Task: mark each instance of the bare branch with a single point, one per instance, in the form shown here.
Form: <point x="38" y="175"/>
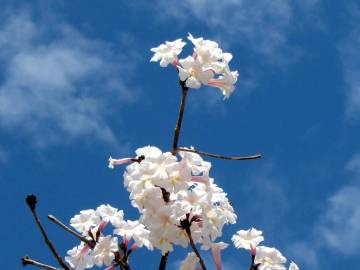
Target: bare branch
<point x="185" y="91"/>
<point x="31" y="201"/>
<point x="181" y="149"/>
<point x="163" y="261"/>
<point x="26" y="261"/>
<point x="201" y="261"/>
<point x="66" y="228"/>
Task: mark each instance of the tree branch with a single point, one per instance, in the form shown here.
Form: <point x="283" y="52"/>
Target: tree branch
<point x="66" y="228"/>
<point x="26" y="261"/>
<point x="185" y="90"/>
<point x="31" y="201"/>
<point x="163" y="261"/>
<point x="181" y="149"/>
<point x="201" y="261"/>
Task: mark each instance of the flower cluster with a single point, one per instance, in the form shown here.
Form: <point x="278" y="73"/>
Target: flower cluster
<point x="208" y="65"/>
<point x="174" y="195"/>
<point x="265" y="258"/>
<point x="101" y="249"/>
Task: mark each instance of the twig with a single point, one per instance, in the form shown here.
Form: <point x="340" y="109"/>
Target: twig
<point x="31" y="201"/>
<point x="26" y="261"/>
<point x="201" y="261"/>
<point x="163" y="261"/>
<point x="257" y="156"/>
<point x="66" y="228"/>
<point x="185" y="90"/>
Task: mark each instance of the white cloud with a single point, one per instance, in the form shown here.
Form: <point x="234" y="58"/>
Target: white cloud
<point x="303" y="254"/>
<point x="354" y="165"/>
<point x="339" y="227"/>
<point x="263" y="26"/>
<point x="349" y="50"/>
<point x="56" y="85"/>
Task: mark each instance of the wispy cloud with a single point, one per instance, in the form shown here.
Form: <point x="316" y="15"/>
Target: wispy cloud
<point x="349" y="50"/>
<point x="305" y="254"/>
<point x="339" y="227"/>
<point x="263" y="26"/>
<point x="56" y="83"/>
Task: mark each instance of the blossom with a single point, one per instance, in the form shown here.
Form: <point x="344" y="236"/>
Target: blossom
<point x="86" y="220"/>
<point x="79" y="257"/>
<point x="248" y="239"/>
<point x="167" y="53"/>
<point x="194" y="73"/>
<point x="136" y="231"/>
<point x="166" y="191"/>
<point x="113" y="162"/>
<point x="215" y="250"/>
<point x="103" y="253"/>
<point x="225" y="82"/>
<point x="110" y="214"/>
<point x="293" y="266"/>
<point x="269" y="258"/>
<point x="190" y="262"/>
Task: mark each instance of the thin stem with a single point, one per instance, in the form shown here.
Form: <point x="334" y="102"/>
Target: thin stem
<point x="257" y="156"/>
<point x="201" y="261"/>
<point x="66" y="228"/>
<point x="185" y="90"/>
<point x="31" y="201"/>
<point x="26" y="260"/>
<point x="163" y="261"/>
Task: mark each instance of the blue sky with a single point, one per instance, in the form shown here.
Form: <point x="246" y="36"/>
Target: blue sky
<point x="76" y="86"/>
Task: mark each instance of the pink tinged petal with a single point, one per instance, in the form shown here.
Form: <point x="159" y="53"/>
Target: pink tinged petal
<point x="215" y="250"/>
<point x="199" y="179"/>
<point x="111" y="267"/>
<point x="113" y="162"/>
<point x="125" y="241"/>
<point x="134" y="247"/>
<point x="176" y="62"/>
<point x="102" y="226"/>
<point x="252" y="251"/>
<point x="84" y="250"/>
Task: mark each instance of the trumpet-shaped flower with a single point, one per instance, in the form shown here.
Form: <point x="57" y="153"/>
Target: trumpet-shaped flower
<point x="293" y="266"/>
<point x="225" y="82"/>
<point x="79" y="257"/>
<point x="194" y="73"/>
<point x="103" y="253"/>
<point x="167" y="53"/>
<point x="136" y="231"/>
<point x="269" y="258"/>
<point x="248" y="239"/>
<point x="86" y="220"/>
<point x="110" y="214"/>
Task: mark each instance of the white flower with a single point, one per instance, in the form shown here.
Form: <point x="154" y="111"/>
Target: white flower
<point x="136" y="231"/>
<point x="167" y="53"/>
<point x="190" y="262"/>
<point x="113" y="162"/>
<point x="225" y="82"/>
<point x="269" y="258"/>
<point x="103" y="252"/>
<point x="293" y="266"/>
<point x="194" y="73"/>
<point x="86" y="220"/>
<point x="110" y="214"/>
<point x="248" y="239"/>
<point x="79" y="257"/>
